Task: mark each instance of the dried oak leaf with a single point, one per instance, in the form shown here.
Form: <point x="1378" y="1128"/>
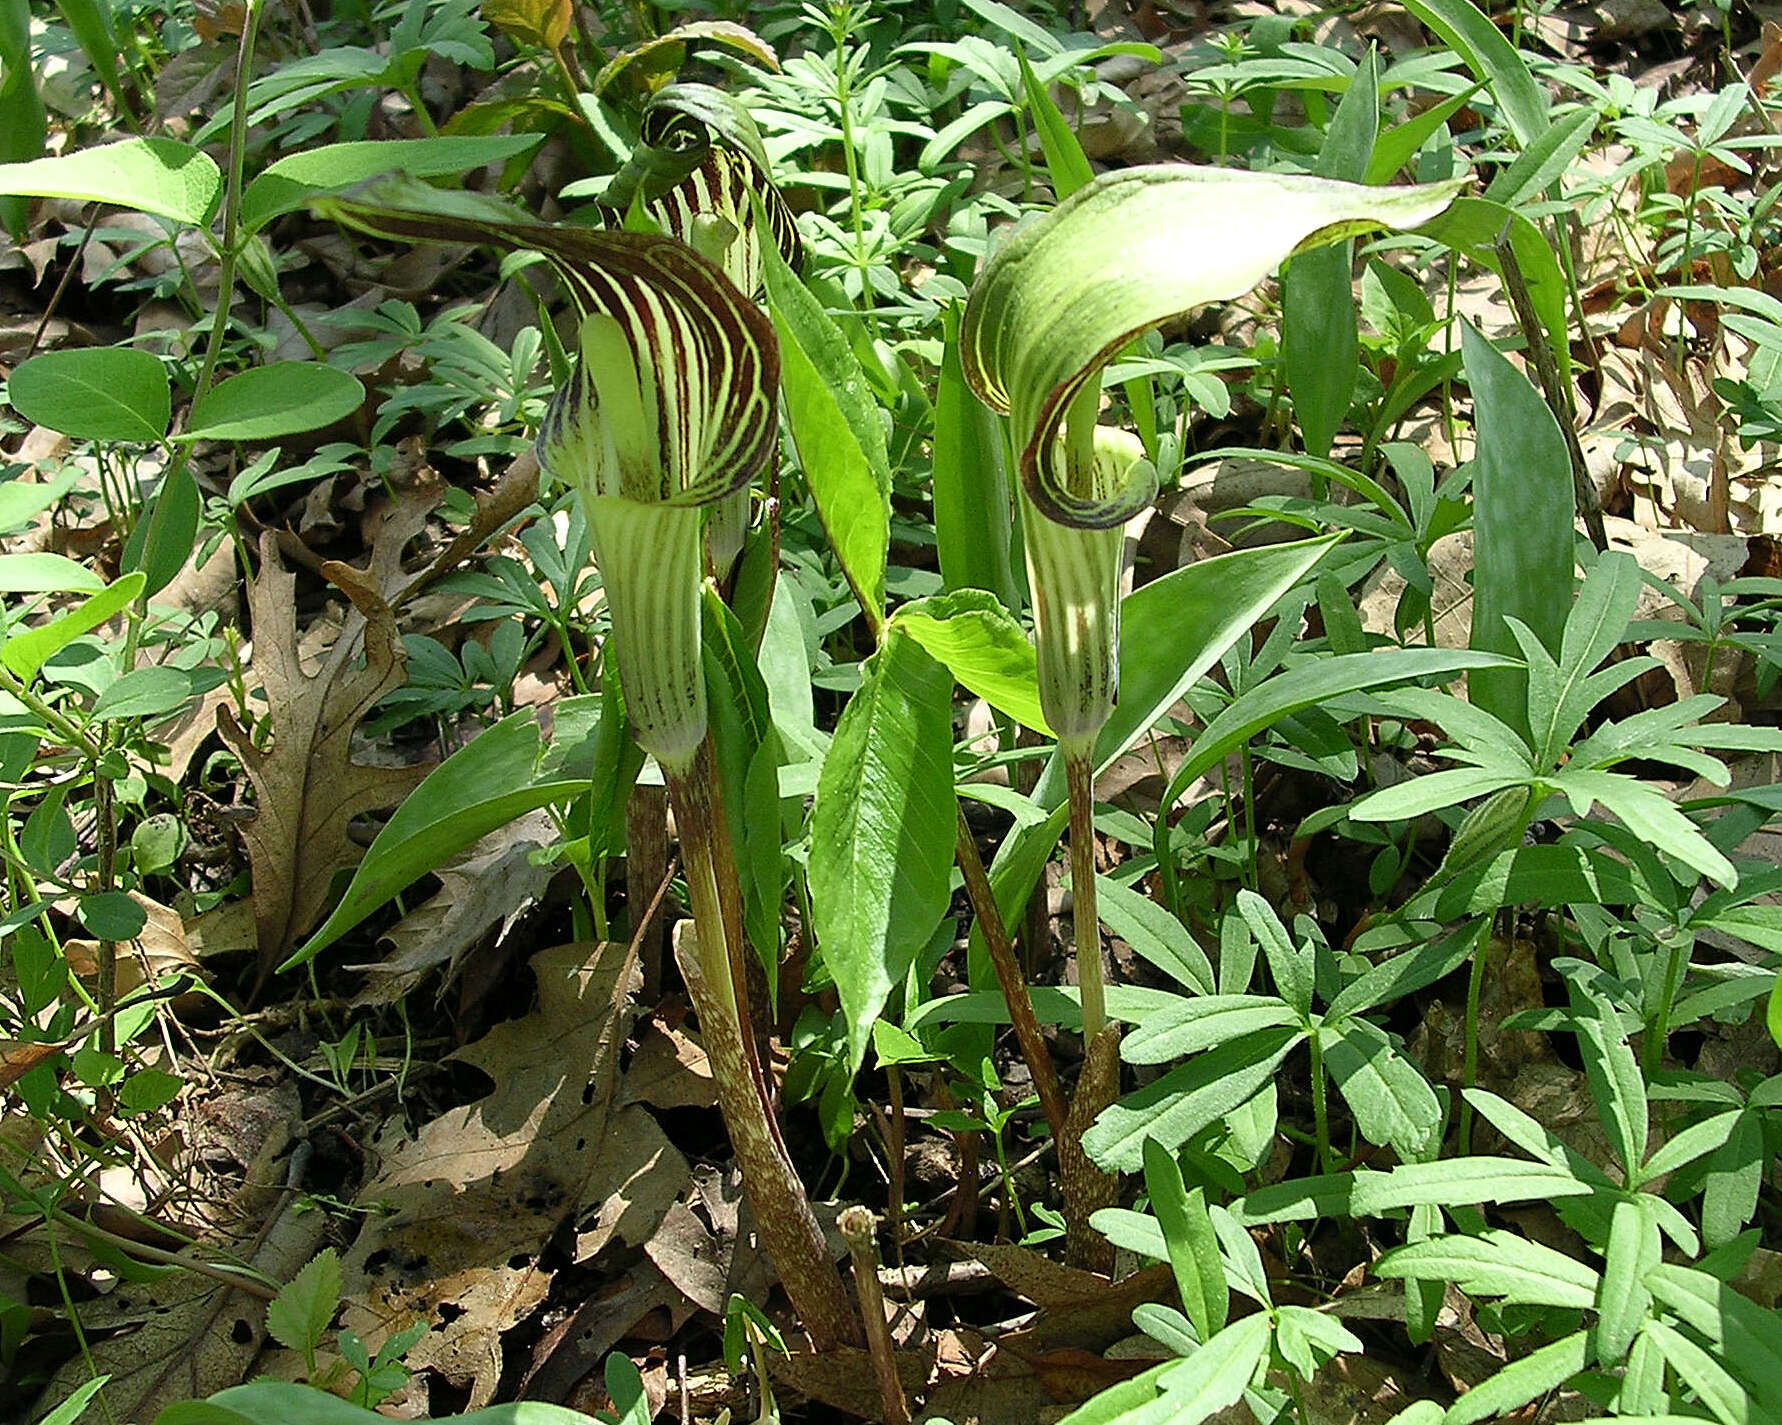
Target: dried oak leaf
<point x="475" y="1197"/>
<point x="307" y="787"/>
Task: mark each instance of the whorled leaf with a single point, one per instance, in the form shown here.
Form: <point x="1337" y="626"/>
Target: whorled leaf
<point x="705" y="356"/>
<point x="1048" y="310"/>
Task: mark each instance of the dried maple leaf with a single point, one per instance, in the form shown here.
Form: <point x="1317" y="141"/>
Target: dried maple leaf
<point x="307" y="787"/>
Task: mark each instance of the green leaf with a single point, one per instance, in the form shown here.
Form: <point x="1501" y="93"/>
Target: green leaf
<point x="111" y="915"/>
<point x="90" y="20"/>
<point x="95" y="393"/>
<point x="71" y="1409"/>
<point x="1065" y="162"/>
<point x="22" y="125"/>
<point x="1392" y="1102"/>
<point x="1047" y="310"/>
<point x="1154" y="934"/>
<point x="835" y="424"/>
<point x="25" y="653"/>
<point x="45" y="574"/>
<point x="162" y="544"/>
<point x="1708" y="1377"/>
<point x="1187" y="1098"/>
<point x="882" y="830"/>
<point x="1192" y="1244"/>
<point x="1477" y="1179"/>
<point x="160" y="176"/>
<point x="1473" y="227"/>
<point x="972" y="518"/>
<point x="23" y="500"/>
<point x="1745" y="1336"/>
<point x="1622" y="1300"/>
<point x="1616" y="1083"/>
<point x="1318" y="336"/>
<point x="1496" y="1263"/>
<point x="1193" y="1025"/>
<point x="1405" y="974"/>
<point x="143" y="693"/>
<point x="1399" y="144"/>
<point x="268" y="1402"/>
<point x="1522" y="524"/>
<point x="299" y="1315"/>
<point x="1290" y="966"/>
<point x="1544" y="161"/>
<point x="289" y="184"/>
<point x="973" y="637"/>
<point x="476" y="790"/>
<point x="270" y="401"/>
<point x="1529" y="1378"/>
<point x="1470" y="33"/>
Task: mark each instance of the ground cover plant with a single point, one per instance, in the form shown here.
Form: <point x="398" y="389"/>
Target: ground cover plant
<point x="960" y="712"/>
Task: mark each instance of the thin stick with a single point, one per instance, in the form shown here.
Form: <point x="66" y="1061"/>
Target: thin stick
<point x="856" y="1225"/>
<point x="1008" y="975"/>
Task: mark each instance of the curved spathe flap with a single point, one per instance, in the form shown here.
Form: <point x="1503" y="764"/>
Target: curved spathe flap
<point x="706" y="360"/>
<point x="1133" y="249"/>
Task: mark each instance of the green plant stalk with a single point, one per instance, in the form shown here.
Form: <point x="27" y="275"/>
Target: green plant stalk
<point x="783" y="1213"/>
<point x="1469" y="1071"/>
<point x="1079" y="772"/>
<point x="1657" y="1032"/>
<point x="244" y="69"/>
<point x="1320" y="1105"/>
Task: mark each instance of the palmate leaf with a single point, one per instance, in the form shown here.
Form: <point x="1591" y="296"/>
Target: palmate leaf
<point x="1048" y="311"/>
<point x="706" y="358"/>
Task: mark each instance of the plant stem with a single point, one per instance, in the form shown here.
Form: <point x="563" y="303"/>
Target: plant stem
<point x="1320" y="1107"/>
<point x="1008" y="975"/>
<point x="782" y="1209"/>
<point x="1470" y="1063"/>
<point x="1079" y="771"/>
<point x="1652" y="1046"/>
<point x="219" y="322"/>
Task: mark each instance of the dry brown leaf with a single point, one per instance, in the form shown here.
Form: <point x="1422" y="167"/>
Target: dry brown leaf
<point x="670" y="1070"/>
<point x="307" y="787"/>
<point x="475" y="1197"/>
<point x="159" y="951"/>
<point x="183" y="1336"/>
<point x="17" y="1060"/>
<point x="490" y="884"/>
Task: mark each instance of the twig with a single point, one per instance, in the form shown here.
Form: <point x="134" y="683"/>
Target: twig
<point x="856" y="1226"/>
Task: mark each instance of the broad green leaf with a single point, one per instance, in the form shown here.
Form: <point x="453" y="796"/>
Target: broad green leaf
<point x="1187" y="1098"/>
<point x="1496" y="1263"/>
<point x="882" y="830"/>
<point x="1065" y="162"/>
<point x="95" y="393"/>
<point x="1477" y="1179"/>
<point x="972" y="519"/>
<point x="1522" y="524"/>
<point x="25" y="653"/>
<point x="270" y="401"/>
<point x="1217" y="1374"/>
<point x="162" y="544"/>
<point x="298" y="1317"/>
<point x="1192" y="1025"/>
<point x="1622" y="1300"/>
<point x="45" y="574"/>
<point x="111" y="915"/>
<point x="143" y="693"/>
<point x="1735" y="1176"/>
<point x="1154" y="934"/>
<point x="476" y="790"/>
<point x="1290" y="966"/>
<point x="1529" y="1378"/>
<point x="289" y="184"/>
<point x="1392" y="1102"/>
<point x="1048" y="309"/>
<point x="972" y="636"/>
<point x="267" y="1402"/>
<point x="1192" y="1244"/>
<point x="1319" y="342"/>
<point x="1540" y="875"/>
<point x="835" y="424"/>
<point x="160" y="176"/>
<point x="1405" y="974"/>
<point x="1432" y="792"/>
<point x="22" y="120"/>
<point x="21" y="500"/>
<point x="1492" y="58"/>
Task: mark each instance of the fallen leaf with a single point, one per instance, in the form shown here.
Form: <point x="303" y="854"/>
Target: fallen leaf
<point x="475" y="1197"/>
<point x="491" y="884"/>
<point x="308" y="787"/>
<point x="161" y="949"/>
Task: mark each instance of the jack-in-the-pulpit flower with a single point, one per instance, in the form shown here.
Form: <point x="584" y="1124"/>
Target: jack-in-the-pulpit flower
<point x="670" y="408"/>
